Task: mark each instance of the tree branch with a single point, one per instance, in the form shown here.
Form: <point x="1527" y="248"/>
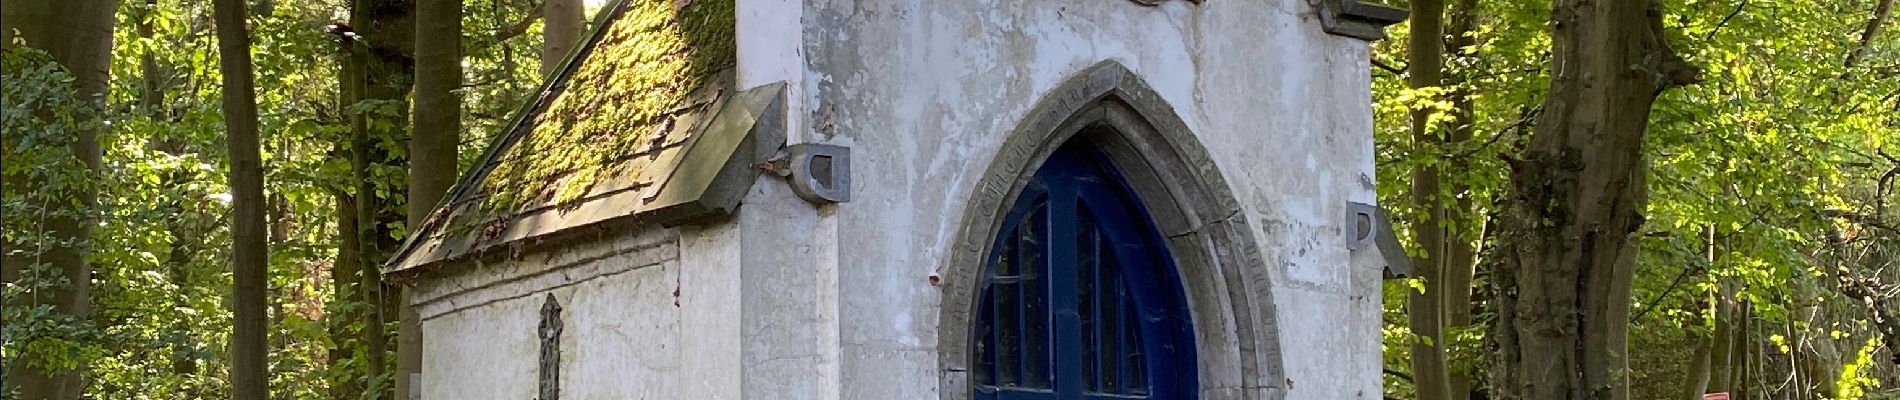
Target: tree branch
<point x="1731" y="16"/>
<point x="1873" y="295"/>
<point x="1396" y="374"/>
<point x="1388" y="67"/>
<point x="518" y="28"/>
<point x="1863" y="219"/>
<point x="1668" y="66"/>
<point x="1882" y="12"/>
<point x="1665" y="294"/>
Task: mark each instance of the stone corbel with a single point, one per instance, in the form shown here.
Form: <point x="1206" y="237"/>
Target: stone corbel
<point x="1370" y="228"/>
<point x="1358" y="19"/>
<point x="819" y="173"/>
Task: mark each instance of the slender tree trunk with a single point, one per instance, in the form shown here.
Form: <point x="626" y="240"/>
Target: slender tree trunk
<point x="249" y="255"/>
<point x="151" y="91"/>
<point x="1739" y="385"/>
<point x="1577" y="201"/>
<point x="1462" y="235"/>
<point x="1722" y="308"/>
<point x="278" y="225"/>
<point x="385" y="69"/>
<point x="1699" y="368"/>
<point x="177" y="269"/>
<point x="151" y="102"/>
<point x="345" y="318"/>
<point x="346" y="322"/>
<point x="432" y="149"/>
<point x="1426" y="307"/>
<point x="367" y="208"/>
<point x="1796" y="385"/>
<point x="564" y="21"/>
<point x="1722" y="343"/>
<point x="78" y="35"/>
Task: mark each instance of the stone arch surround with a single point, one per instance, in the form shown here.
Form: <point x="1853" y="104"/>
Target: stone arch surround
<point x="1226" y="280"/>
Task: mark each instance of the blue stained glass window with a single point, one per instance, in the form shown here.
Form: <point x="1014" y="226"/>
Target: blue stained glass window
<point x="1079" y="299"/>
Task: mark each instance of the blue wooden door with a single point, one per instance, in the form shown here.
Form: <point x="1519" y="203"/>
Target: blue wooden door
<point x="1080" y="299"/>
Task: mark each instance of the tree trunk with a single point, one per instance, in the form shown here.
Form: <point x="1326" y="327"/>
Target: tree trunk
<point x="438" y="111"/>
<point x="1722" y="343"/>
<point x="343" y="318"/>
<point x="1699" y="367"/>
<point x="178" y="264"/>
<point x="1425" y="308"/>
<point x="151" y="102"/>
<point x="345" y="322"/>
<point x="250" y="377"/>
<point x="151" y="89"/>
<point x="1722" y="310"/>
<point x="78" y="36"/>
<point x="1576" y="203"/>
<point x="383" y="71"/>
<point x="1461" y="249"/>
<point x="563" y="22"/>
<point x="1742" y="358"/>
<point x="278" y="225"/>
<point x="432" y="152"/>
<point x="367" y="208"/>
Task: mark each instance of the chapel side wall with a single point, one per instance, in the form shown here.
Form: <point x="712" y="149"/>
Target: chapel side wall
<point x="925" y="91"/>
<point x="625" y="331"/>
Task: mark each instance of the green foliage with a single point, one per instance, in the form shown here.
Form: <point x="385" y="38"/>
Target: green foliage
<point x="45" y="179"/>
<point x="1857" y="376"/>
<point x="1780" y="153"/>
<point x="160" y="252"/>
<point x="1783" y="153"/>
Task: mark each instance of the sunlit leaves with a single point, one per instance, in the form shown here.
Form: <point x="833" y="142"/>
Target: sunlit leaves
<point x="1780" y="138"/>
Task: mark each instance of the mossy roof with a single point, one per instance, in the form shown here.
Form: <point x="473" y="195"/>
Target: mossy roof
<point x="607" y="137"/>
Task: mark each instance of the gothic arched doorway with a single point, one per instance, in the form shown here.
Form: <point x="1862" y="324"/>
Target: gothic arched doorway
<point x="1130" y="133"/>
<point x="1079" y="298"/>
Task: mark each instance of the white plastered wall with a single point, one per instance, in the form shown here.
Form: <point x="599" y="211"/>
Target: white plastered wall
<point x="637" y="324"/>
<point x="792" y="301"/>
<point x="925" y="91"/>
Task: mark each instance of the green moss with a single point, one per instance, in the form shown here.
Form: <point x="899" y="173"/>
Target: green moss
<point x="615" y="103"/>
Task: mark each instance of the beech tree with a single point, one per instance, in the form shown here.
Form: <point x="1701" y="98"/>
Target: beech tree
<point x="432" y="148"/>
<point x="159" y="246"/>
<point x="563" y="22"/>
<point x="77" y="36"/>
<point x="1425" y="307"/>
<point x="250" y="376"/>
<point x="381" y="73"/>
<point x="1443" y="234"/>
<point x="1567" y="253"/>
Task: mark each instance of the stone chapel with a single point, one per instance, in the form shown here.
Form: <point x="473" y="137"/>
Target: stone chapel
<point x="923" y="199"/>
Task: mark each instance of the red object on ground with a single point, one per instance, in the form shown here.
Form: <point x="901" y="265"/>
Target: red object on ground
<point x="1715" y="396"/>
